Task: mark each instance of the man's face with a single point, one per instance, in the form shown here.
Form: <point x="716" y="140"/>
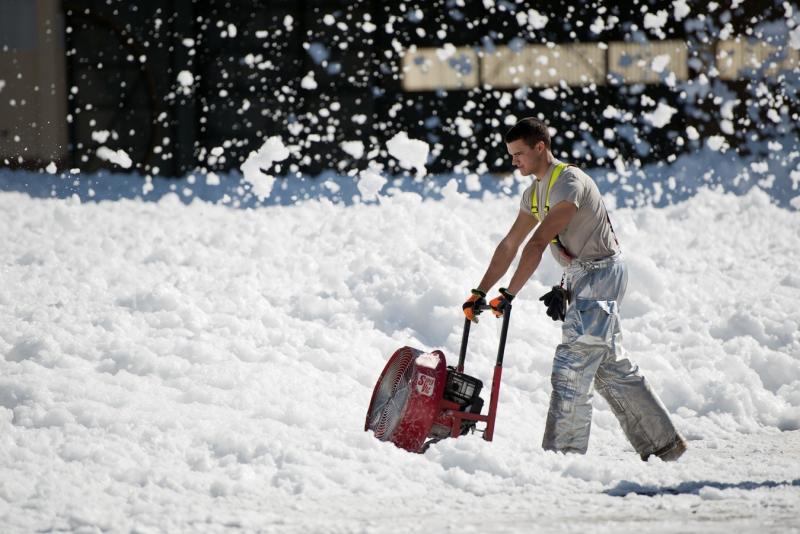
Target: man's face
<point x="526" y="158"/>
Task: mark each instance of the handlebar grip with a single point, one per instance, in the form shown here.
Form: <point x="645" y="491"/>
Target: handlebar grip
<point x="503" y="334"/>
<point x="484" y="307"/>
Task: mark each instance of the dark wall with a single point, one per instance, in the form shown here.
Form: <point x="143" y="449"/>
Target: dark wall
<point x="124" y="59"/>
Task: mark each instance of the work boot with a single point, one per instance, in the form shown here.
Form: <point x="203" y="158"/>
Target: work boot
<point x="671" y="452"/>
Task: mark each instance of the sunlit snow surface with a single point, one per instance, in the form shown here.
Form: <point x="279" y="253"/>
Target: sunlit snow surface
<point x="201" y="368"/>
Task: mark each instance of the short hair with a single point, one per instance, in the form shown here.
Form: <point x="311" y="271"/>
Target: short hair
<point x="531" y="131"/>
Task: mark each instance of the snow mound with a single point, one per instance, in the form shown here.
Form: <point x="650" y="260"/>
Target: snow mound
<point x="176" y="365"/>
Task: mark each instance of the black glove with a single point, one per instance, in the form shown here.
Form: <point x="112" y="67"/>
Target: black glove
<point x="556" y="301"/>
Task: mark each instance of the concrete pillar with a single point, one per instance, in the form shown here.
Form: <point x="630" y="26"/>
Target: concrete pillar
<point x="33" y="97"/>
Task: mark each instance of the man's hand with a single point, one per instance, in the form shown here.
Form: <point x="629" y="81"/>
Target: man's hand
<point x="556" y="302"/>
<point x="472" y="307"/>
<point x="501" y="302"/>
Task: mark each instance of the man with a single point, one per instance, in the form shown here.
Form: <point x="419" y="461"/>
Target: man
<point x="566" y="210"/>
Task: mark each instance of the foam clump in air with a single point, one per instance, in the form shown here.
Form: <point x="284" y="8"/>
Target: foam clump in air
<point x="411" y="154"/>
<point x="118" y="157"/>
<point x="370" y="182"/>
<point x="258" y="164"/>
<point x="661" y="116"/>
<point x="353" y="148"/>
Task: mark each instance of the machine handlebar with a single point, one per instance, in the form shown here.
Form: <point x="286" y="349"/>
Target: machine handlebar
<point x="503" y="334"/>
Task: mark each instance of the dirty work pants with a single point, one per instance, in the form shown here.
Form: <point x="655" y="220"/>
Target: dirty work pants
<point x="590" y="356"/>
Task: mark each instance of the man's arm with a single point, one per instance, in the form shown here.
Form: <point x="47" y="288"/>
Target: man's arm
<point x="507" y="249"/>
<point x="553" y="223"/>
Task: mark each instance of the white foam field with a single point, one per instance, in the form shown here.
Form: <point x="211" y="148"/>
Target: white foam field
<point x="166" y="367"/>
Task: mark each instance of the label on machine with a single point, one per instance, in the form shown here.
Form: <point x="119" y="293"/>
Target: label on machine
<point x="425" y="385"/>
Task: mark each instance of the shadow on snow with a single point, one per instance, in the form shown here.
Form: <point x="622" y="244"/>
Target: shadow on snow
<point x="692" y="487"/>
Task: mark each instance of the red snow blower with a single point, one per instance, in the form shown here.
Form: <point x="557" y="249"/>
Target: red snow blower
<point x="419" y="400"/>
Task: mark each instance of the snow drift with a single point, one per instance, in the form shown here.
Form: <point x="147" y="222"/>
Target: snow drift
<point x="165" y="366"/>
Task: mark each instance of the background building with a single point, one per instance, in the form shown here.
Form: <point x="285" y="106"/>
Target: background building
<point x="172" y="87"/>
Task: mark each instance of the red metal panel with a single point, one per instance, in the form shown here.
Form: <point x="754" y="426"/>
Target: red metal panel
<point x="498" y="373"/>
<point x="422" y="406"/>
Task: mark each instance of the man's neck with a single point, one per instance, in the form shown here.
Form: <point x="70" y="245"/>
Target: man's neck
<point x="540" y="173"/>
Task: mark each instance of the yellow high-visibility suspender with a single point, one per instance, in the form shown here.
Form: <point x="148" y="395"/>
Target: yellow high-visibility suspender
<point x="535" y="201"/>
<point x="553" y="177"/>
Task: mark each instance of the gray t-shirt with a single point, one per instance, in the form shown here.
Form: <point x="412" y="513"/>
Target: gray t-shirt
<point x="589" y="235"/>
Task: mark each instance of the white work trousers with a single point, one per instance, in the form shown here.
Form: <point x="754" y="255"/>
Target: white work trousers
<point x="590" y="356"/>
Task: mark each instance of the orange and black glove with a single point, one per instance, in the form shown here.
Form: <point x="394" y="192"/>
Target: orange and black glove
<point x="501" y="302"/>
<point x="473" y="306"/>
